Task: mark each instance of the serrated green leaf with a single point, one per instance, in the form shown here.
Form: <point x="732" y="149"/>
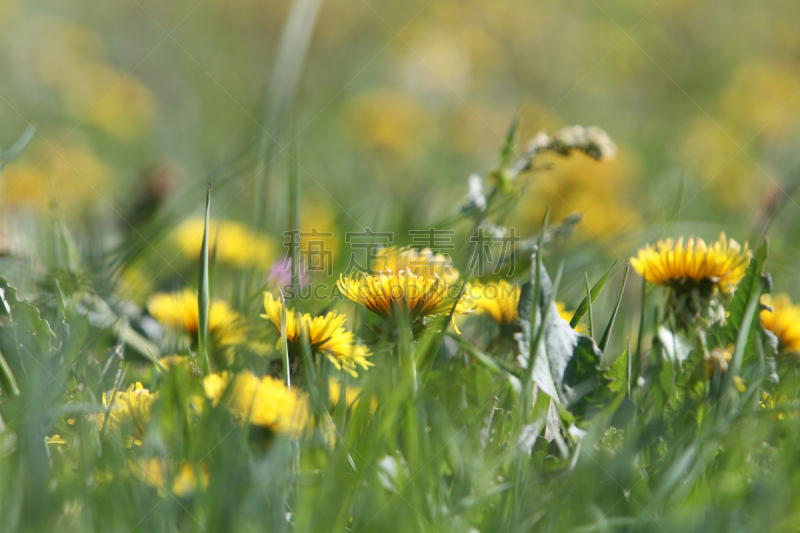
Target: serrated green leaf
<point x="566" y="368"/>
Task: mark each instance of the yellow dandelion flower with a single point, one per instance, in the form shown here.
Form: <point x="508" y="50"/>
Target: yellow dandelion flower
<point x="264" y="402"/>
<point x="179" y="311"/>
<point x="157" y="473"/>
<point x="500" y="301"/>
<point x="411" y="283"/>
<point x="235" y="243"/>
<point x="130" y="407"/>
<point x="327" y="335"/>
<point x="497" y="300"/>
<point x="783" y="320"/>
<point x="74" y="175"/>
<point x="405" y="293"/>
<point x="423" y="263"/>
<point x="720" y="266"/>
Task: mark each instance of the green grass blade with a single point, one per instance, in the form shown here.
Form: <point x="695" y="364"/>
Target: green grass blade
<point x="285" y="343"/>
<point x="294" y="213"/>
<point x="607" y="332"/>
<point x="278" y="101"/>
<point x="490" y="363"/>
<point x="628" y="381"/>
<point x="17" y="147"/>
<point x="741" y="339"/>
<point x="636" y="364"/>
<point x="583" y="307"/>
<point x="7" y="379"/>
<point x="588" y="300"/>
<point x="203" y="296"/>
<point x="508" y="147"/>
<point x="537" y="286"/>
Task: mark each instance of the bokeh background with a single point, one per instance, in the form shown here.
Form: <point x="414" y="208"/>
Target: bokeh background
<point x="138" y="103"/>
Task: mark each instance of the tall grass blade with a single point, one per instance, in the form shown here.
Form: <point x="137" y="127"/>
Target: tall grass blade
<point x="17" y="148"/>
<point x="735" y="366"/>
<point x="609" y="327"/>
<point x="294" y="213"/>
<point x="508" y="147"/>
<point x="203" y="296"/>
<point x="288" y="65"/>
<point x="7" y="379"/>
<point x="636" y="363"/>
<point x="588" y="300"/>
<point x="583" y="307"/>
<point x="285" y="343"/>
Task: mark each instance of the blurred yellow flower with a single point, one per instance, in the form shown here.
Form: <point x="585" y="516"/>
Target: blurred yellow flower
<point x="130" y="407"/>
<point x="318" y="235"/>
<point x="327" y="335"/>
<point x="392" y="122"/>
<point x="500" y="300"/>
<point x="157" y="473"/>
<point x="783" y="320"/>
<point x="497" y="300"/>
<point x="352" y="392"/>
<point x="233" y="243"/>
<point x="119" y="104"/>
<point x="69" y="59"/>
<point x="601" y="191"/>
<point x="719" y="266"/>
<point x="66" y="174"/>
<point x="264" y="402"/>
<point x="424" y="287"/>
<point x="760" y="98"/>
<point x="179" y="311"/>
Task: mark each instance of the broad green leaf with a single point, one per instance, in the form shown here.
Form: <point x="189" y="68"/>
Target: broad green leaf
<point x="566" y="368"/>
<point x="618" y="371"/>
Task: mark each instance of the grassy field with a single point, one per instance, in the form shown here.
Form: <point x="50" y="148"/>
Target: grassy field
<point x="246" y="294"/>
